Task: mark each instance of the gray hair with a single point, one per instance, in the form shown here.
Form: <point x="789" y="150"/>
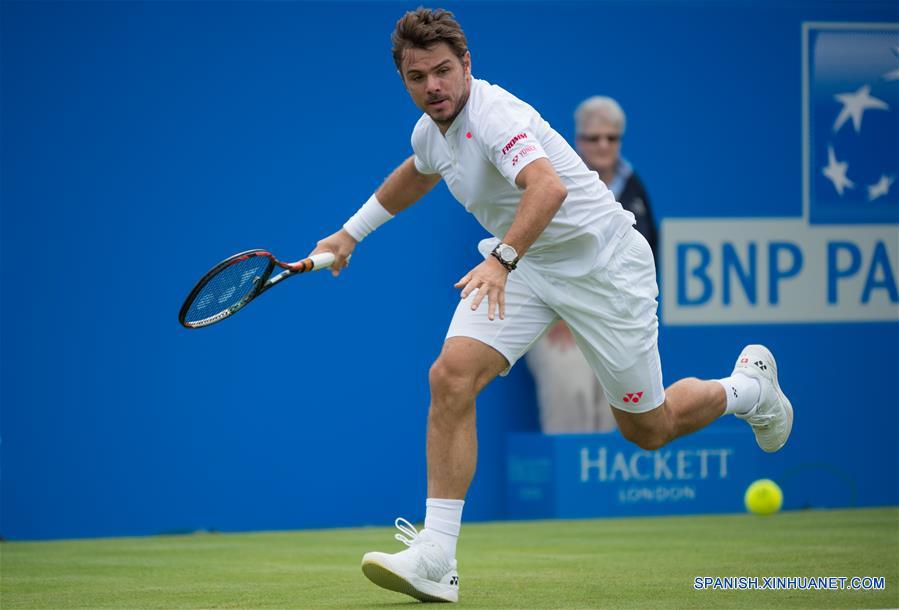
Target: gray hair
<point x="602" y="108"/>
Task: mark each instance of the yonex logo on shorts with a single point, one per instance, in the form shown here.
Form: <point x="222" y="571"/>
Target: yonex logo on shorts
<point x="511" y="142"/>
<point x="633" y="397"/>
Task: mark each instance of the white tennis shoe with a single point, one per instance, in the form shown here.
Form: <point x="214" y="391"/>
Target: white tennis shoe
<point x="423" y="570"/>
<point x="772" y="416"/>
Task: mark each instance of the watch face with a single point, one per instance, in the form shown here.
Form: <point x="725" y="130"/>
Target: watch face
<point x="507" y="253"/>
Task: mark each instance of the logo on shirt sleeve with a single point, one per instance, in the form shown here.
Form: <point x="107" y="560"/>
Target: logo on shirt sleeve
<point x="524" y="152"/>
<point x="511" y="143"/>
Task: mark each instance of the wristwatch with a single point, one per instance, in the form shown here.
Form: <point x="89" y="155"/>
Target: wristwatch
<point x="506" y="255"/>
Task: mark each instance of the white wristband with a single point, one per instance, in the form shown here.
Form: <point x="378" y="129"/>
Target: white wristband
<point x="369" y="217"/>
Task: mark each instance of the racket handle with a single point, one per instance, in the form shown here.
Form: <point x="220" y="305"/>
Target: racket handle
<point x="313" y="263"/>
<point x="321" y="261"/>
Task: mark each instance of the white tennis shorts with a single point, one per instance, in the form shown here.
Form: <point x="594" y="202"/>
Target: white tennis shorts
<point x="611" y="313"/>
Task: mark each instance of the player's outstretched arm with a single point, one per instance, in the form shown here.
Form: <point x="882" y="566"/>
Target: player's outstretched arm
<point x="403" y="187"/>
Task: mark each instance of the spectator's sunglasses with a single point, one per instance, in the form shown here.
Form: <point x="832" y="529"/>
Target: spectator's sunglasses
<point x="595" y="139"/>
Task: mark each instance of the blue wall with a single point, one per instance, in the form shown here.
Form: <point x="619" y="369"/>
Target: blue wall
<point x="142" y="142"/>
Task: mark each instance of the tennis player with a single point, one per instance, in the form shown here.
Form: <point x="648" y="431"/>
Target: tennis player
<point x="562" y="248"/>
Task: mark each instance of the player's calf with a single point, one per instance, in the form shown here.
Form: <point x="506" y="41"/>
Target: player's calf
<point x="689" y="405"/>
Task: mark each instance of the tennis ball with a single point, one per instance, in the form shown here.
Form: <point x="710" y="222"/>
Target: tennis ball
<point x="763" y="497"/>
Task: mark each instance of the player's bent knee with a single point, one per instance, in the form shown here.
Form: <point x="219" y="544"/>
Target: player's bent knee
<point x="646" y="430"/>
<point x="450" y="382"/>
<point x="648" y="442"/>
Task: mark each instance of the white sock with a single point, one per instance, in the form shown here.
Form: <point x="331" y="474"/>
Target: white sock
<point x="443" y="520"/>
<point x="742" y="393"/>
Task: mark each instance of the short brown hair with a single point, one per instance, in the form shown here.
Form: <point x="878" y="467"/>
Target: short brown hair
<point x="423" y="27"/>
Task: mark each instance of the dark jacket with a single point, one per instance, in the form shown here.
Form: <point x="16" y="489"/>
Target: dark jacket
<point x="635" y="200"/>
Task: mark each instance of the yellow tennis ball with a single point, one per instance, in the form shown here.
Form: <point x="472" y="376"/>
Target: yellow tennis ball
<point x="763" y="497"/>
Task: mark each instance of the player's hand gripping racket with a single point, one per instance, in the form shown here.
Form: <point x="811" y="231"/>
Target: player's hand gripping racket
<point x="237" y="280"/>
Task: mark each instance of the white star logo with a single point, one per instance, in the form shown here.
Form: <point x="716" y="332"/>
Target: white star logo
<point x="893" y="74"/>
<point x="836" y="172"/>
<point x="880" y="188"/>
<point x="854" y="105"/>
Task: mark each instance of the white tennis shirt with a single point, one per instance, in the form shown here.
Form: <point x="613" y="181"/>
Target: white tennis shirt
<point x="493" y="138"/>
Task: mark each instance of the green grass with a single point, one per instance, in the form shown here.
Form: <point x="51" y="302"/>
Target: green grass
<point x="611" y="563"/>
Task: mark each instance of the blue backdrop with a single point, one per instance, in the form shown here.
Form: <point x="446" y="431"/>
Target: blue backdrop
<point x="144" y="141"/>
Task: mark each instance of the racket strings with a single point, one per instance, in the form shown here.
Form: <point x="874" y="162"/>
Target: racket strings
<point x="228" y="288"/>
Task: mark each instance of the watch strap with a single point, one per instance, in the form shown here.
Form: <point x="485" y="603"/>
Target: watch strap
<point x="509" y="265"/>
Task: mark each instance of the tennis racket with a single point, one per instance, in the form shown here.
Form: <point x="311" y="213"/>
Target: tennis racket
<point x="233" y="283"/>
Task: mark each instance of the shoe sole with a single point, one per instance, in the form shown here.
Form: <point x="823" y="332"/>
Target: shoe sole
<point x="387" y="579"/>
<point x="786" y="401"/>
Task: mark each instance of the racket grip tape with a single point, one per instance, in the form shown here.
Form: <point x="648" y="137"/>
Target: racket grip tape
<point x="321" y="261"/>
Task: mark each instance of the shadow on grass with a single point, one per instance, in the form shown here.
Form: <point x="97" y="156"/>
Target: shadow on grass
<point x="388" y="604"/>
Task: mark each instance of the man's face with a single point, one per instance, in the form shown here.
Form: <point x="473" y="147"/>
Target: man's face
<point x="599" y="144"/>
<point x="437" y="80"/>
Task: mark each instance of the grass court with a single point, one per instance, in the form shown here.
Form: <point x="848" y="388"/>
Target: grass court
<point x="604" y="563"/>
